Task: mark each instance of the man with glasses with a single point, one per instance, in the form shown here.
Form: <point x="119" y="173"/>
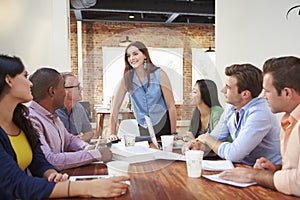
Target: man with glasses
<point x="73" y="114"/>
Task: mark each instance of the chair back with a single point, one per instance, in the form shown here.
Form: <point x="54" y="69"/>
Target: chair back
<point x="128" y="126"/>
<point x="87" y="108"/>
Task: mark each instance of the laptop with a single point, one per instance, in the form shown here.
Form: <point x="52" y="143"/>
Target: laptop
<point x="151" y="131"/>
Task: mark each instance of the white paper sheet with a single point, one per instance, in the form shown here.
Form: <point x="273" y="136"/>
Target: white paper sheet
<point x="217" y="165"/>
<point x="216" y="178"/>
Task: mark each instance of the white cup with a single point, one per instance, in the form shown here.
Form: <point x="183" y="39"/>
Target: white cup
<point x="129" y="140"/>
<point x="167" y="142"/>
<point x="194" y="163"/>
<point x="117" y="168"/>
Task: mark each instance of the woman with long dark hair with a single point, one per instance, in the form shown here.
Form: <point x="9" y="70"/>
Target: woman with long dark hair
<point x="208" y="109"/>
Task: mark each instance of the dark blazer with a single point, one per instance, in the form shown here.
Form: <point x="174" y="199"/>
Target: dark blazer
<point x="14" y="182"/>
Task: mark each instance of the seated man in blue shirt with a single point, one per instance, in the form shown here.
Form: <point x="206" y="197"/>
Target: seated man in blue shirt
<point x="248" y="120"/>
<point x="73" y="114"/>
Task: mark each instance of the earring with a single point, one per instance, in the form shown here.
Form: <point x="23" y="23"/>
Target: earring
<point x="145" y="64"/>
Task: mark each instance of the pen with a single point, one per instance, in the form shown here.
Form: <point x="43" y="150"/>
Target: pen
<point x="98" y="141"/>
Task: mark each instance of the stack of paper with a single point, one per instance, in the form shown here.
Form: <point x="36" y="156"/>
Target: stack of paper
<point x="132" y="153"/>
<point x="142" y="153"/>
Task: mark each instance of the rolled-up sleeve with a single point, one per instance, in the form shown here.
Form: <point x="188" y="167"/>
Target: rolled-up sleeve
<point x="288" y="181"/>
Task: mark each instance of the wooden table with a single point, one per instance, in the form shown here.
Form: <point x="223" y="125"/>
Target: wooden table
<point x="101" y="116"/>
<point x="161" y="179"/>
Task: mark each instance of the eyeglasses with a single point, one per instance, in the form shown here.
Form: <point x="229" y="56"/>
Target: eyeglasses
<point x="74" y="86"/>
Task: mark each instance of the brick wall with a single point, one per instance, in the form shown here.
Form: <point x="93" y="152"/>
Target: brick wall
<point x="98" y="34"/>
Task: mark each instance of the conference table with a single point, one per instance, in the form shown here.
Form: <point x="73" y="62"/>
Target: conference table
<point x="163" y="179"/>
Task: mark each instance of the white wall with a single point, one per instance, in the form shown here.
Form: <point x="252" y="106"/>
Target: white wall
<point x="253" y="31"/>
<point x="37" y="32"/>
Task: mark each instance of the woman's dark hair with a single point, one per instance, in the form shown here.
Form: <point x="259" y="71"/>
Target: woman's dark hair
<point x="13" y="66"/>
<point x="209" y="92"/>
<point x="128" y="71"/>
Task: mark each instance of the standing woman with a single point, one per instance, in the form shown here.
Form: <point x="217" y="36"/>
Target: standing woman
<point x="20" y="148"/>
<point x="150" y="93"/>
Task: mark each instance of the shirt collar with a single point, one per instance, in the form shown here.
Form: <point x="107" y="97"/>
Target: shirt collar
<point x="249" y="104"/>
<point x="42" y="111"/>
<point x="296" y="113"/>
<point x="136" y="80"/>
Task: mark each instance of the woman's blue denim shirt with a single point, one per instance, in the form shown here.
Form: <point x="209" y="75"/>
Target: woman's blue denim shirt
<point x="148" y="100"/>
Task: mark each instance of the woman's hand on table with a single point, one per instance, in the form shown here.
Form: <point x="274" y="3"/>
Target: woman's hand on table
<point x="113" y="137"/>
<point x="109" y="187"/>
<point x="58" y="177"/>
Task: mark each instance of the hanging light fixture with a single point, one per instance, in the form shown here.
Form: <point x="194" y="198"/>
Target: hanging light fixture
<point x="125" y="43"/>
<point x="210" y="50"/>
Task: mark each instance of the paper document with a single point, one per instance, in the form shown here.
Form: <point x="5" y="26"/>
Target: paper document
<point x="217" y="165"/>
<point x="216" y="178"/>
<point x="166" y="155"/>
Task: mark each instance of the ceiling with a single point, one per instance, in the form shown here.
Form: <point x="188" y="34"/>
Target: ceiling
<point x="147" y="11"/>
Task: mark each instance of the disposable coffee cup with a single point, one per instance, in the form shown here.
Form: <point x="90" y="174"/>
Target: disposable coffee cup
<point x="167" y="142"/>
<point x="194" y="163"/>
<point x="117" y="168"/>
<point x="129" y="140"/>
